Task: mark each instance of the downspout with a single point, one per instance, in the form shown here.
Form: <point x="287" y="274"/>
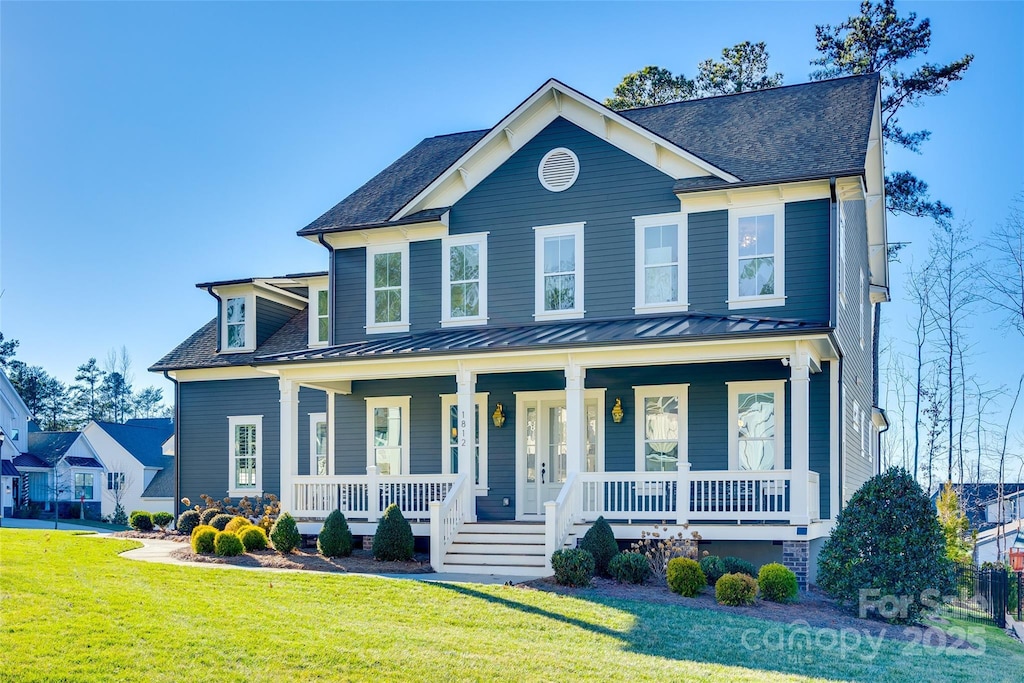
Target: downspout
<point x="330" y="288"/>
<point x="833" y="312"/>
<point x="219" y="313"/>
<point x="177" y="441"/>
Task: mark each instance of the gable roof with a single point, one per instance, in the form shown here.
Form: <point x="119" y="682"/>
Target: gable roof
<point x="143" y="442"/>
<point x="818" y="129"/>
<point x="162" y="485"/>
<point x="50" y="447"/>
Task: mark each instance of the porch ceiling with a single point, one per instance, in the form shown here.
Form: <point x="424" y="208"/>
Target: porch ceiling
<point x="567" y="334"/>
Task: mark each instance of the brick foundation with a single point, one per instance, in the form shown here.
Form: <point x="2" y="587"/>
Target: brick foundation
<point x="796" y="557"/>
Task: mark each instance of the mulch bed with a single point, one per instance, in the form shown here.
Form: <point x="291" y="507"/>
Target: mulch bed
<point x="360" y="562"/>
<point x="158" y="535"/>
<point x="813" y="609"/>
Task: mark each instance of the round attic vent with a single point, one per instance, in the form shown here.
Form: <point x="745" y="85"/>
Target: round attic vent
<point x="558" y="169"/>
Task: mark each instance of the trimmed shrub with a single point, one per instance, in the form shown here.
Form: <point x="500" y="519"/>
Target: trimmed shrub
<point x="335" y="539"/>
<point x="685" y="577"/>
<point x="203" y="537"/>
<point x="208" y="514"/>
<point x="736" y="590"/>
<point x="599" y="541"/>
<point x="253" y="538"/>
<point x="120" y="517"/>
<point x="394" y="539"/>
<point x="187" y="521"/>
<point x="736" y="565"/>
<point x="629" y="568"/>
<point x="777" y="583"/>
<point x="227" y="544"/>
<point x="573" y="566"/>
<point x="236" y="524"/>
<point x="162" y="519"/>
<point x="141" y="520"/>
<point x="220" y="522"/>
<point x="713" y="568"/>
<point x="285" y="534"/>
<point x="887" y="538"/>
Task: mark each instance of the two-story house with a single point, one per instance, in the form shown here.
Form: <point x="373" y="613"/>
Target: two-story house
<point x="655" y="315"/>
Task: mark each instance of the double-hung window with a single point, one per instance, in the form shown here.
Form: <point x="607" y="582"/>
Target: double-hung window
<point x="757" y="256"/>
<point x="245" y="455"/>
<point x="239" y="329"/>
<point x="558" y="283"/>
<point x="464" y="275"/>
<point x="387" y="288"/>
<point x="451" y="437"/>
<point x="318" y="465"/>
<point x="757" y="425"/>
<point x="319" y="316"/>
<point x="83" y="486"/>
<point x="115" y="481"/>
<point x="387" y="428"/>
<point x="661" y="427"/>
<point x="661" y="272"/>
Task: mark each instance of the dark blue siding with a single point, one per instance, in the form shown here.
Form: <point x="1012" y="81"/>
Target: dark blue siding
<point x="203" y="439"/>
<point x="424" y="286"/>
<point x="349" y="295"/>
<point x="270" y="317"/>
<point x="310" y="401"/>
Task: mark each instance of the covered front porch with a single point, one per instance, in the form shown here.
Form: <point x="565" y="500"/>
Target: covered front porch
<point x="641" y="436"/>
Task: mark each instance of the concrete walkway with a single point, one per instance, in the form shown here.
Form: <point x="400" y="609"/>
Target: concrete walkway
<point x="158" y="550"/>
<point x="43" y="524"/>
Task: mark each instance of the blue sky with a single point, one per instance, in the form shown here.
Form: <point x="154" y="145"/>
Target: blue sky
<point x="145" y="147"/>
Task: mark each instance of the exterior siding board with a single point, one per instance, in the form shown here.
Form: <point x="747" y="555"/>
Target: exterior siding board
<point x="310" y="401"/>
<point x="349" y="295"/>
<point x="424" y="286"/>
<point x="203" y="434"/>
<point x="270" y="317"/>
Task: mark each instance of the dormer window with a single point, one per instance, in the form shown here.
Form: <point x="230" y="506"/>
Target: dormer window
<point x="756" y="256"/>
<point x="238" y="323"/>
<point x="387" y="288"/>
<point x="319" y="316"/>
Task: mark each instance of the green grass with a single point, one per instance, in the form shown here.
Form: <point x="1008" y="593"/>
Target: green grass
<point x="73" y="610"/>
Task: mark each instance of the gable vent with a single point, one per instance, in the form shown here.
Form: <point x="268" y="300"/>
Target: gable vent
<point x="558" y="169"/>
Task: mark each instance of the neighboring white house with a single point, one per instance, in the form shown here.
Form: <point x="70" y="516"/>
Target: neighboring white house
<point x="61" y="464"/>
<point x="14" y="422"/>
<point x="138" y="460"/>
<point x="987" y="549"/>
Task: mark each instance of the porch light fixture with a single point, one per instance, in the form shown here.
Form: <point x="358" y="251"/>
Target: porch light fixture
<point x="498" y="416"/>
<point x="617" y="411"/>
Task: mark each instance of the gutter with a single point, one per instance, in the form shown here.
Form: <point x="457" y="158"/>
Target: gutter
<point x="220" y="301"/>
<point x="177" y="451"/>
<point x="330" y="289"/>
<point x="858" y="172"/>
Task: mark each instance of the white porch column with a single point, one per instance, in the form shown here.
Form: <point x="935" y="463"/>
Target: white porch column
<point x="800" y="368"/>
<point x="289" y="440"/>
<point x="330" y="433"/>
<point x="466" y="383"/>
<point x="575" y="419"/>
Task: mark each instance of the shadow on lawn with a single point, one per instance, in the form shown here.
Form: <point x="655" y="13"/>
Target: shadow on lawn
<point x="682" y="633"/>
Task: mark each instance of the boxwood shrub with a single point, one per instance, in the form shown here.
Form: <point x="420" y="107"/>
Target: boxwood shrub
<point x="394" y="539"/>
<point x="208" y="514"/>
<point x="162" y="519"/>
<point x="236" y="524"/>
<point x="713" y="568"/>
<point x="285" y="534"/>
<point x="599" y="541"/>
<point x="736" y="565"/>
<point x="629" y="568"/>
<point x="227" y="544"/>
<point x="187" y="521"/>
<point x="736" y="589"/>
<point x="684" y="576"/>
<point x="335" y="539"/>
<point x="777" y="583"/>
<point x="141" y="520"/>
<point x="220" y="522"/>
<point x="253" y="538"/>
<point x="203" y="537"/>
<point x="573" y="566"/>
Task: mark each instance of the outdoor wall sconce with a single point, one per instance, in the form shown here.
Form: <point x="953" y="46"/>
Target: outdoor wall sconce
<point x="617" y="412"/>
<point x="499" y="416"/>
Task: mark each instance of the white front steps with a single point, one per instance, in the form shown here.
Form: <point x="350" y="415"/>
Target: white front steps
<point x="512" y="548"/>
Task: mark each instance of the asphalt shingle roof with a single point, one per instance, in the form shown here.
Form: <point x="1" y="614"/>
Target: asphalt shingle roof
<point x="162" y="485"/>
<point x="144" y="442"/>
<point x="50" y="447"/>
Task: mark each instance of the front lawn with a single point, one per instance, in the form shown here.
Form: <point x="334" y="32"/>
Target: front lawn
<point x="73" y="610"/>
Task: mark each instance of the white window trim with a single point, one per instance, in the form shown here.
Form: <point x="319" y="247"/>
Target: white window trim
<point x="479" y="239"/>
<point x="447" y="401"/>
<point x="388" y="402"/>
<point x="640" y="224"/>
<point x="233" y="421"/>
<point x="735" y="301"/>
<point x="841" y="222"/>
<point x="778" y="387"/>
<point x="860" y="300"/>
<point x="373" y="327"/>
<point x="250" y="323"/>
<point x="314" y="418"/>
<point x="540" y="234"/>
<point x="314" y="316"/>
<point x="682" y="393"/>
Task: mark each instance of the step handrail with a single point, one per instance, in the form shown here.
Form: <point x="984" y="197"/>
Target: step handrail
<point x="446" y="519"/>
<point x="559" y="517"/>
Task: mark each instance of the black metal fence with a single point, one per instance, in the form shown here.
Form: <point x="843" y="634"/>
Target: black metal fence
<point x="1016" y="595"/>
<point x="983" y="594"/>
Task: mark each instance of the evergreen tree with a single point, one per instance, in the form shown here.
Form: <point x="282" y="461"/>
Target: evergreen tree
<point x="743" y="67"/>
<point x="955" y="525"/>
<point x="88" y="382"/>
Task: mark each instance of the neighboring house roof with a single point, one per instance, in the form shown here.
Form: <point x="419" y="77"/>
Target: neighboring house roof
<point x="661" y="328"/>
<point x="817" y="129"/>
<point x="7" y="469"/>
<point x="143" y="441"/>
<point x="29" y="460"/>
<point x="50" y="447"/>
<point x="162" y="485"/>
<point x="82" y="462"/>
<point x="152" y="422"/>
<point x="976" y="497"/>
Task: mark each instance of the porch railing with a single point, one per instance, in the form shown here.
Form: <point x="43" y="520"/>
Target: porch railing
<point x="367" y="496"/>
<point x="446" y="518"/>
<point x="560" y="515"/>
